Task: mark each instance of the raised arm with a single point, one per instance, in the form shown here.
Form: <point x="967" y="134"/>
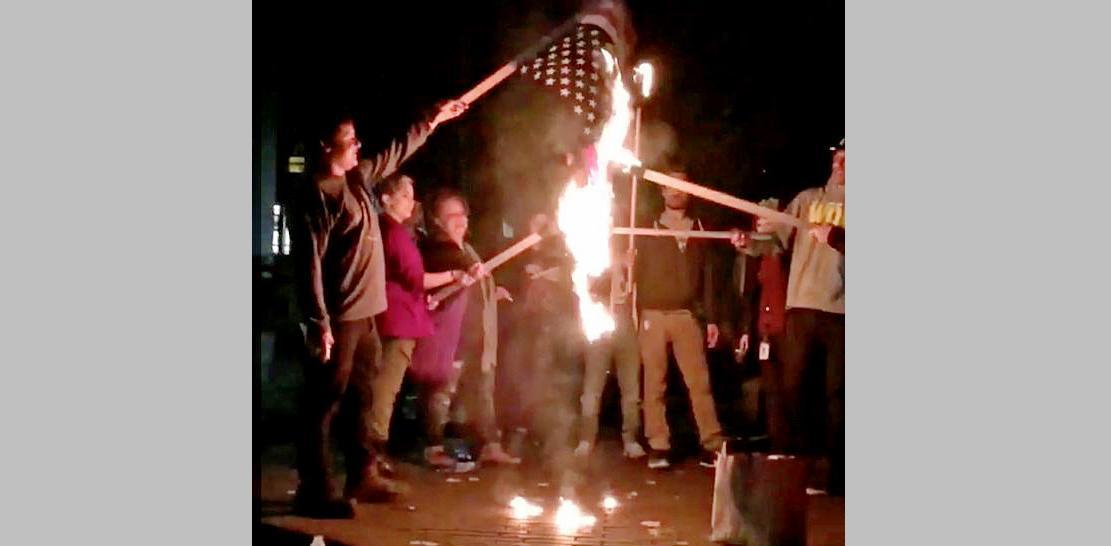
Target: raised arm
<point x="386" y="162"/>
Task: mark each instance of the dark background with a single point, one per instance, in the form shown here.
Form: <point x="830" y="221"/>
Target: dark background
<point x="749" y="97"/>
<point x="753" y="92"/>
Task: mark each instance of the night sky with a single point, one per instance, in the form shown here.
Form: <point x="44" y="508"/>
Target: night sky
<point x="751" y="93"/>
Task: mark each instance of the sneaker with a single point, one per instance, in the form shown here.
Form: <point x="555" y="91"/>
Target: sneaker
<point x="658" y="459"/>
<point x="708" y="459"/>
<point x="633" y="450"/>
<point x="583" y="450"/>
<point x="460" y="449"/>
<point x="493" y="453"/>
<point x="437" y="457"/>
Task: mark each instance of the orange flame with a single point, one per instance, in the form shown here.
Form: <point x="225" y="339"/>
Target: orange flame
<point x="586" y="212"/>
<point x="523" y="509"/>
<point x="569" y="518"/>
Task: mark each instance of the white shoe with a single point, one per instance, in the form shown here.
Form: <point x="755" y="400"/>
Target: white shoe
<point x="583" y="450"/>
<point x="658" y="459"/>
<point x="633" y="450"/>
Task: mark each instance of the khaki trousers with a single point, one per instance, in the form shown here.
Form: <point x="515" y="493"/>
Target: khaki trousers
<point x="684" y="332"/>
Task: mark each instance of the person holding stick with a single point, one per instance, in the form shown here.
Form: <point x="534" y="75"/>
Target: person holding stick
<point x="406" y="317"/>
<point x="618" y="351"/>
<point x="675" y="295"/>
<point x="815" y="321"/>
<point x="760" y="284"/>
<point x="550" y="349"/>
<point x="337" y="249"/>
<point x="478" y="350"/>
<point x="435" y="365"/>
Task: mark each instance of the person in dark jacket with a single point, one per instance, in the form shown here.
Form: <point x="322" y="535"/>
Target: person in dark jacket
<point x="617" y="351"/>
<point x="454" y="380"/>
<point x="553" y="359"/>
<point x="337" y="247"/>
<point x="675" y="295"/>
<point x="761" y="280"/>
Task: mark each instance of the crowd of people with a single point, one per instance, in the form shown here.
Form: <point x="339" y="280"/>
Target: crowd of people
<point x="390" y="291"/>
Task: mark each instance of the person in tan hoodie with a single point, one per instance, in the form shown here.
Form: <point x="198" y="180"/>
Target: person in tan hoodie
<point x="815" y="329"/>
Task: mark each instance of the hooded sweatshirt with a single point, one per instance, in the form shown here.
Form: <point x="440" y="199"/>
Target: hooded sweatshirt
<point x="674" y="273"/>
<point x="817" y="278"/>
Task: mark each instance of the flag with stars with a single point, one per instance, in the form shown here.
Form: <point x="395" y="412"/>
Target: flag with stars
<point x="574" y="70"/>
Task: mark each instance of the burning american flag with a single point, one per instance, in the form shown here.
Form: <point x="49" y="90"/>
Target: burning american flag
<point x="573" y="68"/>
<point x="582" y="70"/>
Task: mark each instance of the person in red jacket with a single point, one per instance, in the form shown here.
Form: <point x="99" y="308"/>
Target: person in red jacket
<point x="762" y="319"/>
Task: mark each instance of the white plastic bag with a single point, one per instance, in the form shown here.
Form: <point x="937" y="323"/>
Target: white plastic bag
<point x="759" y="500"/>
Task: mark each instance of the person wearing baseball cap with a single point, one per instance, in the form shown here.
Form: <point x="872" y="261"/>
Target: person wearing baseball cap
<point x="815" y="319"/>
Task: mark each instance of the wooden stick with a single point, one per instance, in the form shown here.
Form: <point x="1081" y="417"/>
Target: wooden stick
<point x="632" y="220"/>
<point x="509" y="68"/>
<point x="511" y="252"/>
<point x="633" y="193"/>
<point x="489" y="83"/>
<point x="723" y="198"/>
<point x="689" y="233"/>
<point x="502" y="257"/>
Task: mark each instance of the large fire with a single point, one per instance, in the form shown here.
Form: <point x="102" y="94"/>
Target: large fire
<point x="570" y="519"/>
<point x="586" y="212"/>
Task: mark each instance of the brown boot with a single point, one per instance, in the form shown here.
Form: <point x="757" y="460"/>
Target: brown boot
<point x="322" y="506"/>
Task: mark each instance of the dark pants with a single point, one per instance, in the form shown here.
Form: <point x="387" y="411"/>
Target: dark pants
<point x="556" y="379"/>
<point x="815" y="343"/>
<point x="552" y="403"/>
<point x="344" y="382"/>
<point x="775" y="419"/>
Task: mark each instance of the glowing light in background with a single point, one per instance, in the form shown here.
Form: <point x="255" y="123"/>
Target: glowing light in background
<point x="609" y="503"/>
